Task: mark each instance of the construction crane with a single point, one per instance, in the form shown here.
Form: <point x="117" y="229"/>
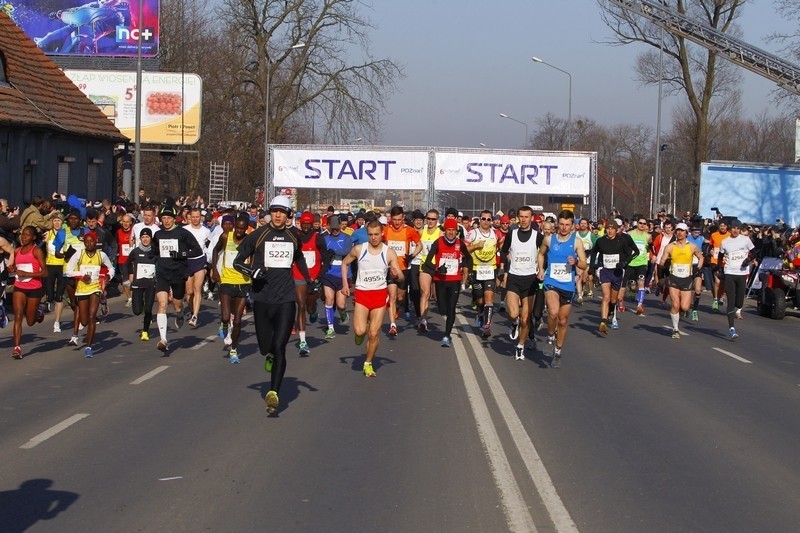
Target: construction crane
<point x="782" y="72"/>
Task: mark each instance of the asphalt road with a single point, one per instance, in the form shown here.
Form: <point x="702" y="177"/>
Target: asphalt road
<point x="636" y="431"/>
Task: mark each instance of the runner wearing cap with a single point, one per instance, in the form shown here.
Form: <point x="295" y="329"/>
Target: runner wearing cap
<point x="30" y="268"/>
<point x="611" y="253"/>
<point x="142" y="277"/>
<point x="679" y="253"/>
<point x="85" y="267"/>
<point x="173" y="245"/>
<point x="737" y="252"/>
<point x="313" y="246"/>
<point x="266" y="256"/>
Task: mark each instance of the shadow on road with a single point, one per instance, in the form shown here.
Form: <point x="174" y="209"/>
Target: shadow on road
<point x="33" y="501"/>
<point x="290" y="390"/>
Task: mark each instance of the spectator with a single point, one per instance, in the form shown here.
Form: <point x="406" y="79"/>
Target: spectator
<point x="39" y="215"/>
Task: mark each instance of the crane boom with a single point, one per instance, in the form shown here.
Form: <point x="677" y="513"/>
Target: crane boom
<point x="770" y="66"/>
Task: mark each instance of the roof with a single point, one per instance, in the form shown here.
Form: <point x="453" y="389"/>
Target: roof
<point x="38" y="94"/>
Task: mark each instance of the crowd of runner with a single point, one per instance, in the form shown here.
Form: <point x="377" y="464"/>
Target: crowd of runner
<point x="170" y="255"/>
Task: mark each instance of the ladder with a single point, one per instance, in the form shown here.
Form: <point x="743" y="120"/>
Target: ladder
<point x="770" y="66"/>
<point x="218" y="183"/>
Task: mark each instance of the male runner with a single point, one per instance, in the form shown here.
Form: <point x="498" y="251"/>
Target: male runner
<point x="737" y="251"/>
<point x="637" y="268"/>
<point x="399" y="238"/>
<point x="483" y="243"/>
<point x="313" y="246"/>
<point x="612" y="252"/>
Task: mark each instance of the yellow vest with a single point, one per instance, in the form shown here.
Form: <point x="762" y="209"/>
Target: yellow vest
<point x="229" y="275"/>
<point x="51" y="258"/>
<point x="89" y="264"/>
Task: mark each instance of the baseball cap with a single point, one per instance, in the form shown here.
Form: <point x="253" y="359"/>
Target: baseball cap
<point x="306" y="218"/>
<point x="505" y="219"/>
<point x="450" y="223"/>
<point x="333" y="222"/>
<point x="281" y="203"/>
<point x="167" y="211"/>
<point x="682" y="226"/>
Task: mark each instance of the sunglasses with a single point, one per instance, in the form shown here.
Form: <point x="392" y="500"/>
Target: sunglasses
<point x="486" y="219"/>
<point x="431" y="218"/>
<point x="641" y="222"/>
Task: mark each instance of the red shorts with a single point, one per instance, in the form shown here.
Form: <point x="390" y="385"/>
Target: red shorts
<point x="373" y="299"/>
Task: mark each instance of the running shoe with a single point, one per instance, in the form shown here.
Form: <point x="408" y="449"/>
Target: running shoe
<point x="538" y="324"/>
<point x="393" y="330"/>
<point x="621" y="306"/>
<point x="17" y="352"/>
<point x="228" y="340"/>
<point x="129" y="303"/>
<point x="733" y="333"/>
<point x="487" y="332"/>
<point x="39" y="315"/>
<point x="640" y="311"/>
<point x="162" y="346"/>
<point x="513" y="331"/>
<point x="103" y="307"/>
<point x="423" y="326"/>
<point x="590" y="294"/>
<point x="446" y="342"/>
<point x="193" y="321"/>
<point x="234" y="355"/>
<point x="519" y="353"/>
<point x="359" y="339"/>
<point x="614" y="324"/>
<point x="550" y="347"/>
<point x="344" y="317"/>
<point x="676" y="334"/>
<point x="603" y="328"/>
<point x="56" y="327"/>
<point x="313" y="317"/>
<point x="49" y="306"/>
<point x="3" y="316"/>
<point x="739" y="314"/>
<point x="303" y="349"/>
<point x="479" y="321"/>
<point x="368" y="370"/>
<point x="179" y="320"/>
<point x="73" y="341"/>
<point x="695" y="316"/>
<point x="223" y="331"/>
<point x="715" y="305"/>
<point x="294" y="330"/>
<point x="578" y="300"/>
<point x="145" y="336"/>
<point x="87" y="352"/>
<point x="272" y="401"/>
<point x="268" y="362"/>
<point x="556" y="361"/>
<point x="330" y="333"/>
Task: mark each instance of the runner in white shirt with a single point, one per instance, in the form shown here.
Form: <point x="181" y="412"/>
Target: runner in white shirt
<point x="737" y="250"/>
<point x="197" y="265"/>
<point x="148" y="221"/>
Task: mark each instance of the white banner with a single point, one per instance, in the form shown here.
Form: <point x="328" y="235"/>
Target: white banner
<point x="528" y="174"/>
<point x="350" y="169"/>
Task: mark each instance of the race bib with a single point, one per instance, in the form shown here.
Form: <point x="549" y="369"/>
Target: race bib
<point x="22" y="269"/>
<point x="523" y="258"/>
<point x="610" y="261"/>
<point x="126" y="249"/>
<point x="145" y="271"/>
<point x="369" y="279"/>
<point x="165" y="246"/>
<point x="451" y="264"/>
<point x="399" y="247"/>
<point x="737" y="257"/>
<point x="311" y="258"/>
<point x="681" y="271"/>
<point x="484" y="272"/>
<point x="278" y="254"/>
<point x="92" y="270"/>
<point x="230" y="256"/>
<point x="561" y="272"/>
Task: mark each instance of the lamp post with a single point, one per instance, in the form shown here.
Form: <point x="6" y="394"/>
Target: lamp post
<point x="269" y="189"/>
<point x="473" y="201"/>
<point x="524" y="144"/>
<point x="569" y="112"/>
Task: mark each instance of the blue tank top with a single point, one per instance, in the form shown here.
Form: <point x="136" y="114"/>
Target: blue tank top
<point x="560" y="274"/>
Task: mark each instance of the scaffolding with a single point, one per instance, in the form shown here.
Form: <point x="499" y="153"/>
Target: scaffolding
<point x="218" y="183"/>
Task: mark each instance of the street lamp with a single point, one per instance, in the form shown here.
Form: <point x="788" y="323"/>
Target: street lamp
<point x="269" y="189"/>
<point x="518" y="122"/>
<point x="569" y="116"/>
<point x="473" y="201"/>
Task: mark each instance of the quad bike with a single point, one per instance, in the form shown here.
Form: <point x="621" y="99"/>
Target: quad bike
<point x="780" y="287"/>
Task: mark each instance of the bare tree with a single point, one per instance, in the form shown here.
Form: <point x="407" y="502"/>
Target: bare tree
<point x="688" y="69"/>
<point x="789" y="43"/>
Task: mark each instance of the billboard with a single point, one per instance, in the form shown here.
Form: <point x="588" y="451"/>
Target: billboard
<point x="82" y="28"/>
<point x="350" y="169"/>
<point x="171" y="102"/>
<point x="536" y="173"/>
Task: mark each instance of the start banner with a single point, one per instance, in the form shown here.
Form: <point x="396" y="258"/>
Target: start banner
<point x="523" y="174"/>
<point x="350" y="169"/>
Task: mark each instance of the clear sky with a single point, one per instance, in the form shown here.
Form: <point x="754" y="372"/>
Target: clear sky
<point x="467" y="61"/>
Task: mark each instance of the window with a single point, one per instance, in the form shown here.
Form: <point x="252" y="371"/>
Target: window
<point x="3" y="79"/>
<point x="63" y="178"/>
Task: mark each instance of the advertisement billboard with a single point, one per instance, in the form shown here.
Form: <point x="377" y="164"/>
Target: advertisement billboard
<point x="350" y="169"/>
<point x="567" y="175"/>
<point x="171" y="102"/>
<point x="81" y="28"/>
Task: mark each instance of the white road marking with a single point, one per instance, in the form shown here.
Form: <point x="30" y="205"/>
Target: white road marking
<point x="58" y="428"/>
<point x="149" y="375"/>
<point x="204" y="342"/>
<point x="533" y="462"/>
<point x="170" y="478"/>
<point x="729" y="354"/>
<point x="516" y="510"/>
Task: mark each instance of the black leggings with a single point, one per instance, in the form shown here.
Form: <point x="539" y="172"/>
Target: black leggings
<point x="273" y="327"/>
<point x="142" y="302"/>
<point x="55" y="283"/>
<point x="414" y="290"/>
<point x="735" y="288"/>
<point x="447" y="293"/>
